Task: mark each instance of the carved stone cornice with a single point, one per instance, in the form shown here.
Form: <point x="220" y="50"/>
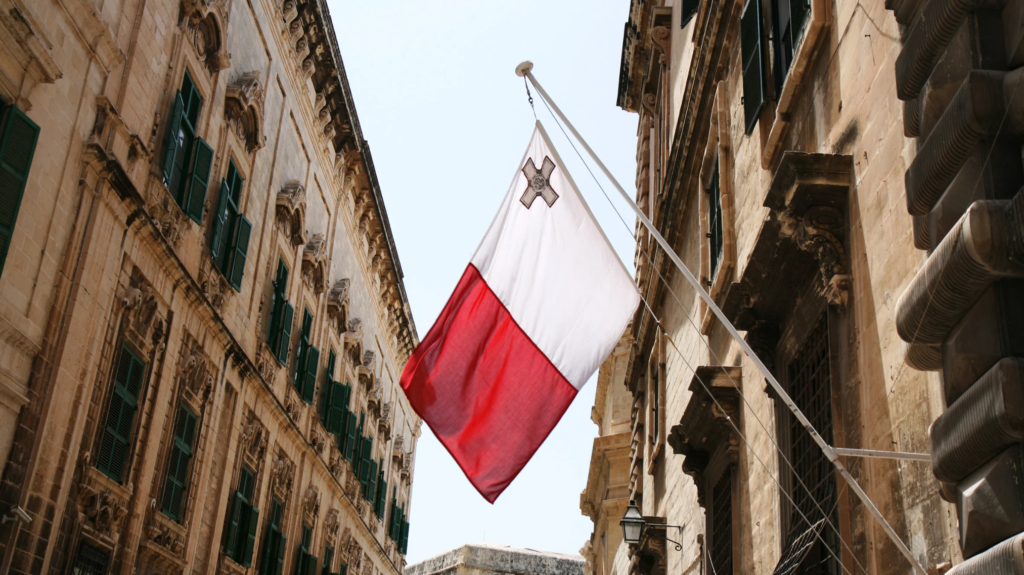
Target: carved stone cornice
<point x="337" y="306"/>
<point x="204" y="24"/>
<point x="243" y="107"/>
<point x="707" y="424"/>
<point x="213" y="284"/>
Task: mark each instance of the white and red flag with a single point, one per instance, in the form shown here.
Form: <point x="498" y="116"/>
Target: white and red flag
<point x="542" y="303"/>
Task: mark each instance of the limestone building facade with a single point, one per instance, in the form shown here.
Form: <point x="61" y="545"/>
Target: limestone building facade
<point x="844" y="178"/>
<point x="202" y="312"/>
<point x="492" y="559"/>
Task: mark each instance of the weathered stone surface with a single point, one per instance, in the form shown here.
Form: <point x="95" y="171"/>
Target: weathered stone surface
<point x="491" y="559"/>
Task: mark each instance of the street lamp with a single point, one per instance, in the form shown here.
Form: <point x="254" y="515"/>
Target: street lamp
<point x="633" y="525"/>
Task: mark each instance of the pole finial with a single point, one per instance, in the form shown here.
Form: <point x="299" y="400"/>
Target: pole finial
<point x="523" y="69"/>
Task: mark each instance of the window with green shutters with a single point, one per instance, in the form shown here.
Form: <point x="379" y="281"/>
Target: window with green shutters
<point x="370" y="491"/>
<point x="328" y="558"/>
<point x="394" y="519"/>
<point x="309" y="359"/>
<point x="281" y="315"/>
<point x="176" y="482"/>
<point x="351" y="433"/>
<point x="187" y="158"/>
<point x="365" y="451"/>
<point x="789" y="19"/>
<point x="343" y="569"/>
<point x="18" y="137"/>
<point x="306" y="562"/>
<point x="403" y="542"/>
<point x="755" y="82"/>
<point x="229" y="243"/>
<point x="117" y="429"/>
<point x="275" y="542"/>
<point x="334" y="411"/>
<point x="689" y="11"/>
<point x="380" y="504"/>
<point x="243" y="521"/>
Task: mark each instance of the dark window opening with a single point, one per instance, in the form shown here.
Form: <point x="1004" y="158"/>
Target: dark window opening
<point x="788" y="20"/>
<point x="721" y="524"/>
<point x="715" y="238"/>
<point x="90" y="561"/>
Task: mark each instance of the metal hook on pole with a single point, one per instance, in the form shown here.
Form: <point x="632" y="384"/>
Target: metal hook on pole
<point x="525" y="70"/>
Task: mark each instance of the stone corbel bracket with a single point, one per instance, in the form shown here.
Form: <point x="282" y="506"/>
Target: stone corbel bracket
<point x="809" y="194"/>
<point x="337" y="306"/>
<point x="314" y="264"/>
<point x="243" y="106"/>
<point x="291" y="212"/>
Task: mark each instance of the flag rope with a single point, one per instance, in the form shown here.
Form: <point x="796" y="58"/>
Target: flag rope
<point x="525" y="70"/>
<point x="741" y="435"/>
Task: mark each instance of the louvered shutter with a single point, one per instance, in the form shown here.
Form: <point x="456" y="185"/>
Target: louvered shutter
<point x="117" y="430"/>
<point x="17" y="147"/>
<point x="328" y="557"/>
<point x="343" y="570"/>
<point x="285" y="333"/>
<point x="171" y="142"/>
<point x="336" y="417"/>
<point x="382" y="493"/>
<point x="199" y="176"/>
<point x="364" y="460"/>
<point x="240" y="250"/>
<point x="250" y="539"/>
<point x="311" y="561"/>
<point x="282" y="544"/>
<point x="404" y="543"/>
<point x="238" y="506"/>
<point x="312" y="363"/>
<point x="220" y="225"/>
<point x="755" y="82"/>
<point x="371" y="483"/>
<point x="177" y="469"/>
<point x="351" y="437"/>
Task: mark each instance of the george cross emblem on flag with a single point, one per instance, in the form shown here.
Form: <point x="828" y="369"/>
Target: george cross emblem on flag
<point x="538" y="183"/>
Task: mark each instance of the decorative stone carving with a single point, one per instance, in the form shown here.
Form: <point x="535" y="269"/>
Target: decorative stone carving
<point x="317" y="440"/>
<point x="166" y="216"/>
<point x="282" y="473"/>
<point x="102" y="503"/>
<point x="314" y="264"/>
<point x="336" y="467"/>
<point x="140" y="310"/>
<point x="163" y="546"/>
<point x="243" y="107"/>
<point x="204" y="27"/>
<point x="311" y="505"/>
<point x="266" y="363"/>
<point x="332" y="525"/>
<point x="212" y="283"/>
<point x="254" y="440"/>
<point x="195" y="371"/>
<point x="292" y="406"/>
<point x="291" y="212"/>
<point x="337" y="306"/>
<point x="368" y="359"/>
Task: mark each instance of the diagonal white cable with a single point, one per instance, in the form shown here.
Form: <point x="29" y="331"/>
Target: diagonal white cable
<point x="524" y="69"/>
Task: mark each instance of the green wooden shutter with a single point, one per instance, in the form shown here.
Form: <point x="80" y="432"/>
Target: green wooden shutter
<point x="312" y="363"/>
<point x="351" y="437"/>
<point x="285" y="333"/>
<point x="755" y="82"/>
<point x="177" y="470"/>
<point x="343" y="570"/>
<point x="124" y="396"/>
<point x="282" y="544"/>
<point x="250" y="539"/>
<point x="311" y="561"/>
<point x="171" y="141"/>
<point x="336" y="417"/>
<point x="364" y="460"/>
<point x="195" y="200"/>
<point x="220" y="223"/>
<point x="403" y="545"/>
<point x="371" y="483"/>
<point x="240" y="249"/>
<point x="382" y="490"/>
<point x="277" y="301"/>
<point x="17" y="147"/>
<point x="328" y="558"/>
<point x="238" y="506"/>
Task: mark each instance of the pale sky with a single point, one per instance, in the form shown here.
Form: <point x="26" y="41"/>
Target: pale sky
<point x="447" y="121"/>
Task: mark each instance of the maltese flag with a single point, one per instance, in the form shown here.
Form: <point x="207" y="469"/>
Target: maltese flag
<point x="542" y="303"/>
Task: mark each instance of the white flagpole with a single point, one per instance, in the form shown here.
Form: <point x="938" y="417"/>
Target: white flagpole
<point x="525" y="69"/>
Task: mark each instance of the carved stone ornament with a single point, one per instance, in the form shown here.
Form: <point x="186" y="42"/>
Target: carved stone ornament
<point x="204" y="28"/>
<point x="337" y="306"/>
<point x="281" y="476"/>
<point x="367" y="564"/>
<point x="163" y="544"/>
<point x="311" y="505"/>
<point x="332" y="525"/>
<point x="166" y="216"/>
<point x="195" y="371"/>
<point x="266" y="364"/>
<point x="139" y="304"/>
<point x="292" y="406"/>
<point x="368" y="359"/>
<point x="243" y="107"/>
<point x="291" y="212"/>
<point x="314" y="264"/>
<point x="254" y="439"/>
<point x="102" y="504"/>
<point x="212" y="283"/>
<point x="317" y="440"/>
<point x="336" y="467"/>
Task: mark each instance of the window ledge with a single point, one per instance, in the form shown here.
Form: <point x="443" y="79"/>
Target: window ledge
<point x="816" y="23"/>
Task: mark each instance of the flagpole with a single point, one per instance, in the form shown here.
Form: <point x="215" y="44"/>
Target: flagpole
<point x="525" y="69"/>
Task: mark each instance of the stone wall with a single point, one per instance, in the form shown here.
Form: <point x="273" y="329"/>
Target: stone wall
<point x="103" y="258"/>
<point x="491" y="559"/>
